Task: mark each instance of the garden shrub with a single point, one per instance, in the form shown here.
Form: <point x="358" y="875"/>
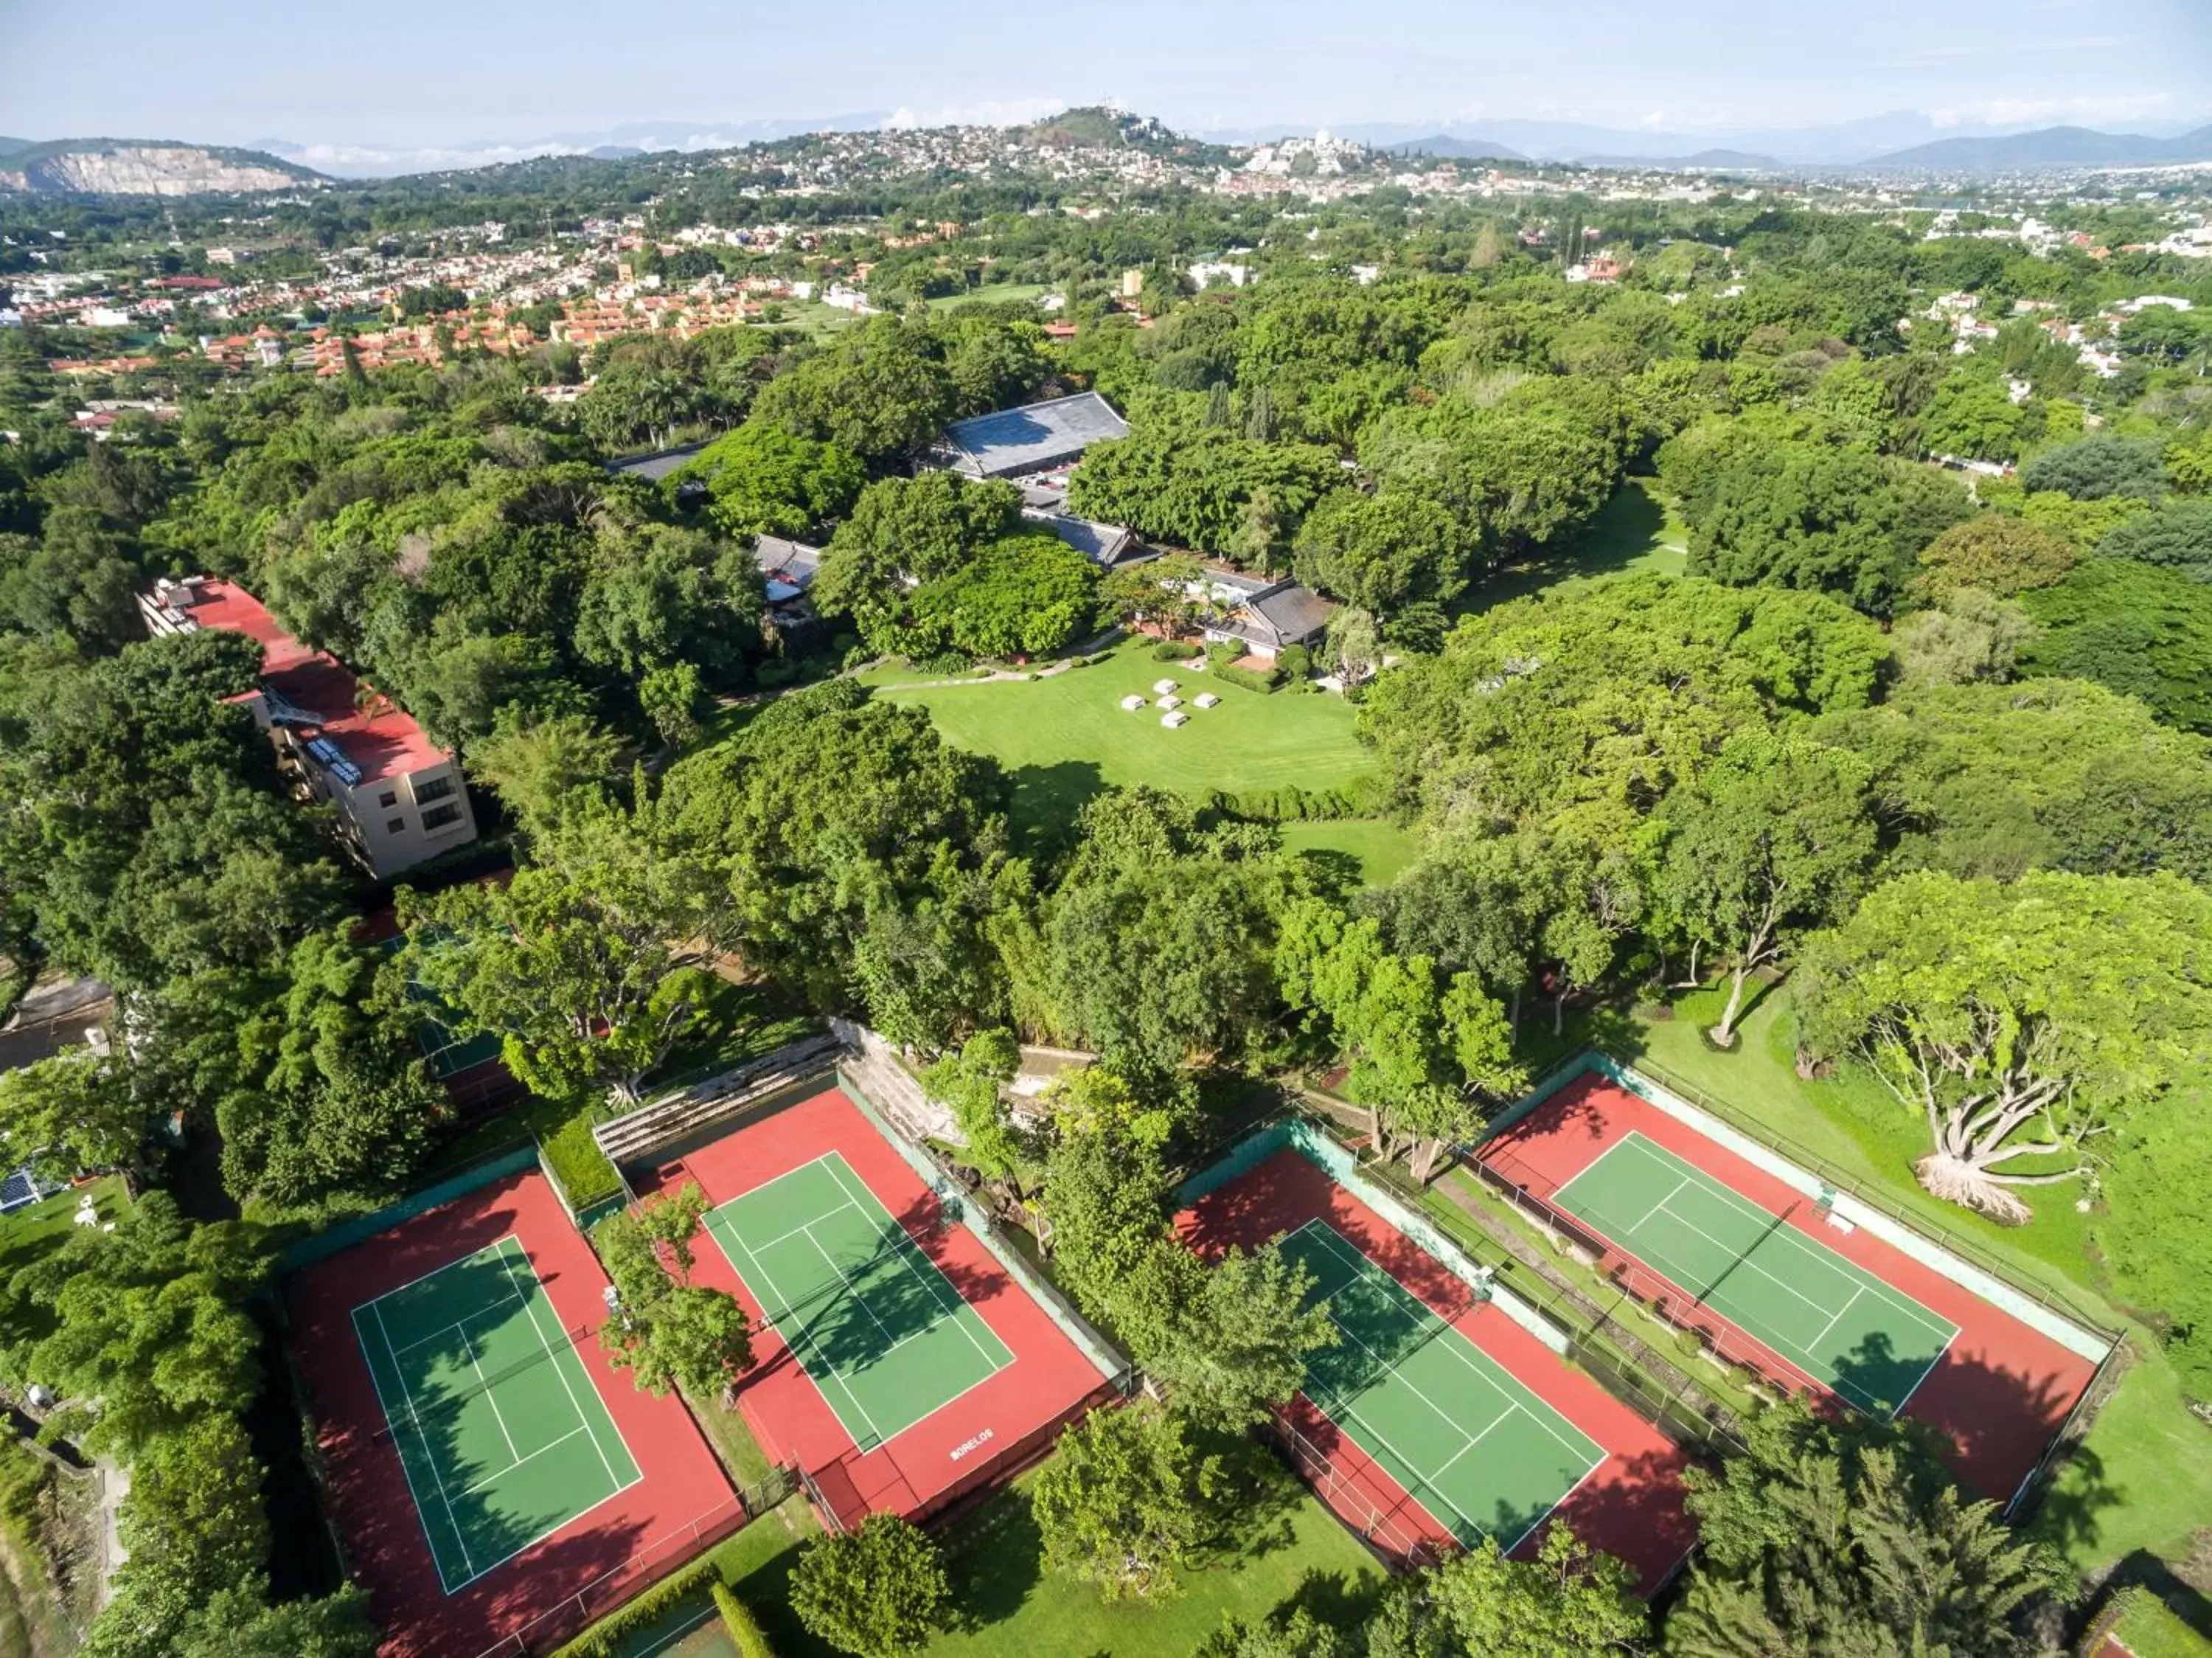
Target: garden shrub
<point x="1247" y="678"/>
<point x="607" y="1637"/>
<point x="744" y="1630"/>
<point x="578" y="1163"/>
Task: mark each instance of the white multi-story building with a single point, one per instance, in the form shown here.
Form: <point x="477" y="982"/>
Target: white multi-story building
<point x="400" y="800"/>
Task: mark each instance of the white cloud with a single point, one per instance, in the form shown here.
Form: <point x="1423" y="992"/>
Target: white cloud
<point x="1013" y="111"/>
<point x="2031" y="111"/>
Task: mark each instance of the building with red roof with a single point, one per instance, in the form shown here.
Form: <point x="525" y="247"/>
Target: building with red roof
<point x="400" y="799"/>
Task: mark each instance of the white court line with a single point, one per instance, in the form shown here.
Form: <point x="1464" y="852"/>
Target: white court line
<point x="1808" y="1362"/>
<point x="800" y="1332"/>
<point x="1373" y="1271"/>
<point x="1924" y="1375"/>
<point x="429" y="1455"/>
<point x="1834" y="1317"/>
<point x="1810" y="1248"/>
<point x="574" y="1403"/>
<point x="496" y="1414"/>
<point x="549" y="1445"/>
<point x="460" y="1324"/>
<point x="1589" y="1474"/>
<point x="424" y="1277"/>
<point x="784" y="1237"/>
<point x="934" y="1273"/>
<point x="1348" y="1414"/>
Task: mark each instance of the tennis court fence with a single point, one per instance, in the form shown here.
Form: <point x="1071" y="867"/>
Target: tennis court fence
<point x="579" y="1608"/>
<point x="1650" y="1074"/>
<point x="1687" y="1418"/>
<point x="1351" y="1499"/>
<point x="1681" y="1306"/>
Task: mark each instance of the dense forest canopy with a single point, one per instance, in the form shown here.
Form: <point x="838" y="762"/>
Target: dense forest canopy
<point x="1913" y="750"/>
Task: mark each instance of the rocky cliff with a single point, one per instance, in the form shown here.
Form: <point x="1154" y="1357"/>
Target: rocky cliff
<point x="105" y="166"/>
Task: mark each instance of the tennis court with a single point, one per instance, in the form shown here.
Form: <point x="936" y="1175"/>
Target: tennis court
<point x="883" y="1332"/>
<point x="1833" y="1319"/>
<point x="501" y="1435"/>
<point x="1474" y="1445"/>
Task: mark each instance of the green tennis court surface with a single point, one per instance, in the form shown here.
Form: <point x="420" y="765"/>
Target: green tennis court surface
<point x="1459" y="1432"/>
<point x="502" y="1433"/>
<point x="885" y="1337"/>
<point x="1828" y="1316"/>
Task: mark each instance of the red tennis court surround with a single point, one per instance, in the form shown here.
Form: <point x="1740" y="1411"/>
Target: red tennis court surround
<point x="2000" y="1391"/>
<point x="1631" y="1506"/>
<point x="980" y="1436"/>
<point x="581" y="1569"/>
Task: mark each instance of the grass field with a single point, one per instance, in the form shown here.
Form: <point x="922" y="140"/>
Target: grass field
<point x="1004" y="293"/>
<point x="1011" y="1607"/>
<point x="1381" y="850"/>
<point x="1638" y="530"/>
<point x="2145" y="1480"/>
<point x="2150" y="1629"/>
<point x="32" y="1230"/>
<point x="1064" y="739"/>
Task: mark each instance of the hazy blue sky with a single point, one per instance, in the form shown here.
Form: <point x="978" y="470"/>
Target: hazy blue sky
<point x="436" y="71"/>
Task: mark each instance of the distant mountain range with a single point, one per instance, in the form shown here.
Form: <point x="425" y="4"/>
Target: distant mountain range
<point x="143" y="166"/>
<point x="1442" y="144"/>
<point x="1903" y="139"/>
<point x="612" y="145"/>
<point x="1894" y="143"/>
<point x="2051" y="146"/>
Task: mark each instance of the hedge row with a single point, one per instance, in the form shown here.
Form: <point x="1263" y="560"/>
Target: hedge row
<point x="1228" y="673"/>
<point x="745" y="1632"/>
<point x="578" y="1163"/>
<point x="1173" y="650"/>
<point x="605" y="1638"/>
<point x="1291" y="804"/>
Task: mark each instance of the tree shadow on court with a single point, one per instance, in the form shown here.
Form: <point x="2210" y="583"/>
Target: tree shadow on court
<point x="1636" y="1512"/>
<point x="889" y="1296"/>
<point x="1990" y="1424"/>
<point x="468" y="1383"/>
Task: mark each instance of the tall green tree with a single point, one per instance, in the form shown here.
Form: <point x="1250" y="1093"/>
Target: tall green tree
<point x="71" y="1114"/>
<point x="1775" y="838"/>
<point x="591" y="961"/>
<point x="1836" y="1537"/>
<point x="877" y="1591"/>
<point x="1230" y="1340"/>
<point x="1569" y="1598"/>
<point x="1128" y="1498"/>
<point x="2019" y="1022"/>
<point x="669" y="1331"/>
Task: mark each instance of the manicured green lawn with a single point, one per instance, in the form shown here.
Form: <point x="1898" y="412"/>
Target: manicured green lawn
<point x="1015" y="1609"/>
<point x="2143" y="1479"/>
<point x="1638" y="530"/>
<point x="1004" y="293"/>
<point x="2150" y="1629"/>
<point x="1009" y="1607"/>
<point x="1066" y="738"/>
<point x="1381" y="849"/>
<point x="32" y="1230"/>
